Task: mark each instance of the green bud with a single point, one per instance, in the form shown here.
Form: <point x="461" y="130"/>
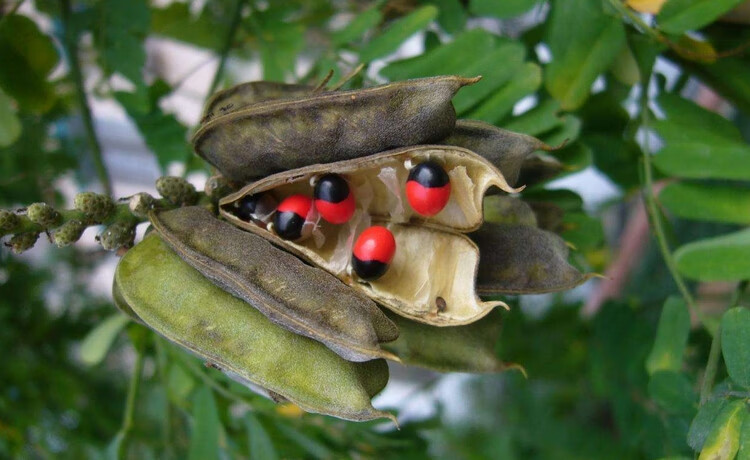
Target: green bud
<point x="43" y="214"/>
<point x="69" y="233"/>
<point x="140" y="204"/>
<point x="217" y="187"/>
<point x="22" y="242"/>
<point x="96" y="207"/>
<point x="116" y="236"/>
<point x="177" y="190"/>
<point x="8" y="221"/>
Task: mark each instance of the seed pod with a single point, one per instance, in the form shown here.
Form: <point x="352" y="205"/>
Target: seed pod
<point x="43" y="214"/>
<point x="538" y="168"/>
<point x="431" y="277"/>
<point x="96" y="207"/>
<point x="246" y="94"/>
<point x="117" y="235"/>
<point x="519" y="259"/>
<point x="504" y="149"/>
<point x="22" y="242"/>
<point x="469" y="348"/>
<point x="68" y="233"/>
<point x="8" y="221"/>
<point x="140" y="204"/>
<point x="217" y="187"/>
<point x="290" y="293"/>
<point x="177" y="190"/>
<point x="501" y="209"/>
<point x="177" y="302"/>
<point x="269" y="137"/>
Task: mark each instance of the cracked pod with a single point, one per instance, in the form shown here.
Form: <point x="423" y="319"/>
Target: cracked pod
<point x="272" y="136"/>
<point x="431" y="277"/>
<point x="177" y="302"/>
<point x="303" y="299"/>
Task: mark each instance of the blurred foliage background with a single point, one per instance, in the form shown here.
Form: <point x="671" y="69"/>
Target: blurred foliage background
<point x="651" y="98"/>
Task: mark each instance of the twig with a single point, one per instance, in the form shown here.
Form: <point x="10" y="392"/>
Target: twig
<point x="71" y="47"/>
<point x="135" y="383"/>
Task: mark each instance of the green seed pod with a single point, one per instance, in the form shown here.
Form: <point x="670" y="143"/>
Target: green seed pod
<point x="469" y="348"/>
<point x="503" y="209"/>
<point x="274" y="136"/>
<point x="177" y="190"/>
<point x="22" y="242"/>
<point x="68" y="233"/>
<point x="95" y="206"/>
<point x="504" y="149"/>
<point x="8" y="221"/>
<point x="431" y="276"/>
<point x="117" y="235"/>
<point x="519" y="259"/>
<point x="177" y="302"/>
<point x="245" y="94"/>
<point x="141" y="204"/>
<point x="43" y="214"/>
<point x="290" y="293"/>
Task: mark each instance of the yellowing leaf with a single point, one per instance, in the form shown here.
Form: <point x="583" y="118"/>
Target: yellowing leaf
<point x="646" y="6"/>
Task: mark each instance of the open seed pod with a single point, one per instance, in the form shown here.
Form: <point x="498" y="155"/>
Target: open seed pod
<point x="273" y="136"/>
<point x="431" y="277"/>
<point x="303" y="299"/>
<point x="179" y="303"/>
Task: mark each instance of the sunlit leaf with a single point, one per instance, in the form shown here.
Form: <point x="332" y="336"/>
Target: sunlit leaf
<point x="723" y="258"/>
<point x="582" y="52"/>
<point x="701" y="424"/>
<point x="707" y="202"/>
<point x="98" y="342"/>
<point x="687" y="121"/>
<point x="723" y="440"/>
<point x="678" y="16"/>
<point x="542" y="118"/>
<point x="397" y="33"/>
<point x="671" y="337"/>
<point x="735" y="344"/>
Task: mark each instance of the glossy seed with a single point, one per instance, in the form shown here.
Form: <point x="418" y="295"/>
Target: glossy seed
<point x="259" y="207"/>
<point x="373" y="252"/>
<point x="333" y="199"/>
<point x="428" y="188"/>
<point x="291" y="216"/>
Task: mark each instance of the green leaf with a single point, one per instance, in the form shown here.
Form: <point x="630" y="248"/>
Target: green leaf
<point x="526" y="81"/>
<point x="452" y="15"/>
<point x="179" y="384"/>
<point x="280" y="40"/>
<point x="679" y="16"/>
<point x="687" y="121"/>
<point x="204" y="439"/>
<point x="448" y="59"/>
<point x="260" y="443"/>
<point x="723" y="258"/>
<point x="119" y="36"/>
<point x="312" y="446"/>
<point x="671" y="337"/>
<point x="358" y="26"/>
<point x="10" y="125"/>
<point x="27" y="57"/>
<point x="723" y="440"/>
<point x="397" y="33"/>
<point x="616" y="157"/>
<point x="568" y="131"/>
<point x="581" y="52"/>
<point x="701" y="424"/>
<point x="720" y="203"/>
<point x="744" y="452"/>
<point x="501" y="9"/>
<point x="582" y="231"/>
<point x="541" y="119"/>
<point x="695" y="160"/>
<point x="673" y="391"/>
<point x="735" y="344"/>
<point x="729" y="76"/>
<point x="176" y="21"/>
<point x="97" y="343"/>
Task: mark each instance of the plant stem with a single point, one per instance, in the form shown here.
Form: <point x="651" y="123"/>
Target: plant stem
<point x="135" y="383"/>
<point x="71" y="47"/>
<point x="224" y="52"/>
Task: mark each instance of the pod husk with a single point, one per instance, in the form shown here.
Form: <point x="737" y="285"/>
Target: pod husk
<point x="539" y="168"/>
<point x="505" y="149"/>
<point x="520" y="259"/>
<point x="431" y="278"/>
<point x="303" y="299"/>
<point x="274" y="136"/>
<point x="503" y="209"/>
<point x="245" y="94"/>
<point x="469" y="348"/>
<point x="179" y="303"/>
